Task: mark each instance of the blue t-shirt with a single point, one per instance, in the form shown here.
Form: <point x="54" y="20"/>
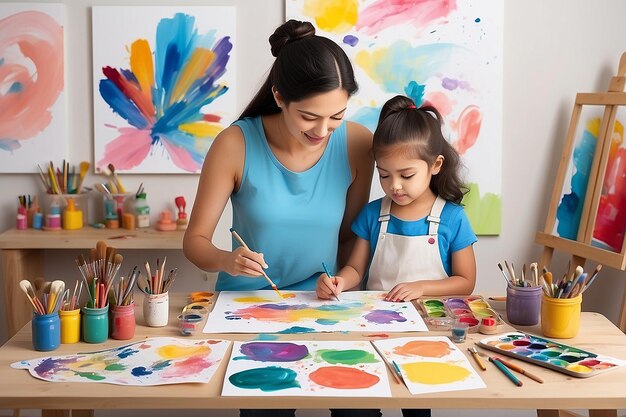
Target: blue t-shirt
<point x="455" y="232"/>
<point x="293" y="218"/>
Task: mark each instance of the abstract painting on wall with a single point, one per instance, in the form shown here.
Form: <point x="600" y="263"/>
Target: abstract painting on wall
<point x="163" y="85"/>
<point x="302" y="312"/>
<point x="311" y="368"/>
<point x="32" y="85"/>
<point x="430" y="364"/>
<point x="439" y="52"/>
<point x="155" y="361"/>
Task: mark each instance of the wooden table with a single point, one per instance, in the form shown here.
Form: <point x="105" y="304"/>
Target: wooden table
<point x="601" y="393"/>
<point x="23" y="257"/>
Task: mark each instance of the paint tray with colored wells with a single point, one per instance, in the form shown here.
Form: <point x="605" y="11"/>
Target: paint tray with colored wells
<point x="435" y="313"/>
<point x="441" y="312"/>
<point x="569" y="360"/>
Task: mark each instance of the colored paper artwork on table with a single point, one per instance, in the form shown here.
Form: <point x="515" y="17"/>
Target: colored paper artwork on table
<point x="328" y="368"/>
<point x="430" y="364"/>
<point x="163" y="85"/>
<point x="447" y="54"/>
<point x="32" y="85"/>
<point x="156" y="361"/>
<point x="302" y="312"/>
<point x="550" y="354"/>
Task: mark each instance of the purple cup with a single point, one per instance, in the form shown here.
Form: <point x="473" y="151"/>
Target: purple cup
<point x="523" y="305"/>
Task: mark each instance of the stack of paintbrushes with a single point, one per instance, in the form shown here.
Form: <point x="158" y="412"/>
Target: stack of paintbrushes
<point x="123" y="291"/>
<point x="99" y="272"/>
<point x="157" y="283"/>
<point x="73" y="302"/>
<point x="49" y="301"/>
<point x="568" y="286"/>
<point x="524" y="280"/>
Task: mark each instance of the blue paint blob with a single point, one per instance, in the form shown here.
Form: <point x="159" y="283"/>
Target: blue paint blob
<point x="127" y="352"/>
<point x="326" y="322"/>
<point x="297" y="329"/>
<point x="477" y="20"/>
<point x="16" y="87"/>
<point x="140" y="371"/>
<point x="540" y="357"/>
<point x="268" y="379"/>
<point x="350" y="40"/>
<point x="266" y="336"/>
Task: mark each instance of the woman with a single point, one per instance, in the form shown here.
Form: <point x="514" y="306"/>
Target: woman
<point x="296" y="173"/>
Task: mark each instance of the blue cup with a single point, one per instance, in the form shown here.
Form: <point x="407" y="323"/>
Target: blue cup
<point x="46" y="332"/>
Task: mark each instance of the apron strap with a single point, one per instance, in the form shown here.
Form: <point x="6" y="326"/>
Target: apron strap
<point x="385" y="209"/>
<point x="435" y="216"/>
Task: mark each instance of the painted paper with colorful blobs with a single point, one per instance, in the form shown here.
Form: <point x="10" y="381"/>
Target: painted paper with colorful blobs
<point x="442" y="312"/>
<point x="302" y="312"/>
<point x="311" y="368"/>
<point x="32" y="85"/>
<point x="163" y="85"/>
<point x="155" y="361"/>
<point x="430" y="364"/>
<point x="567" y="359"/>
<point x="447" y="54"/>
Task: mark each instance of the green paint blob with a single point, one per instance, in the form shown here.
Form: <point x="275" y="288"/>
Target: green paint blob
<point x="484" y="213"/>
<point x="270" y="378"/>
<point x="346" y="357"/>
<point x="91" y="375"/>
<point x="115" y="367"/>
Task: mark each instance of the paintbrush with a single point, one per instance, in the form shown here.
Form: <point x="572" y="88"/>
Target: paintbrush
<point x="394" y="371"/>
<point x="242" y="243"/>
<point x="330" y="276"/>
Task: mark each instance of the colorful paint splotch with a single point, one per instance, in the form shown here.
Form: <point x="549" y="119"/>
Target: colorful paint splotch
<point x="446" y="53"/>
<point x="302" y="312"/>
<point x="161" y="113"/>
<point x="32" y="82"/>
<point x="430" y="364"/>
<point x="318" y="368"/>
<point x="155" y="361"/>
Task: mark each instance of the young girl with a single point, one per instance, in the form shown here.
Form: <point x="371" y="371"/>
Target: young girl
<point x="417" y="238"/>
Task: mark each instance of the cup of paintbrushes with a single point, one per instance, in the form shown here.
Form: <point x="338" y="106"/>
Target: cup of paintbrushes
<point x="46" y="331"/>
<point x="156" y="308"/>
<point x="560" y="317"/>
<point x="95" y="324"/>
<point x="70" y="325"/>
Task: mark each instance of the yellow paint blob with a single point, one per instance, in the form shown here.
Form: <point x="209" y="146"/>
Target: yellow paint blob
<point x="176" y="352"/>
<point x="506" y="346"/>
<point x="201" y="129"/>
<point x="251" y="300"/>
<point x="335" y="16"/>
<point x="578" y="368"/>
<point x="434" y="373"/>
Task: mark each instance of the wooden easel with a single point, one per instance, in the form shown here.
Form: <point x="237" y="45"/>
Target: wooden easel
<point x="581" y="249"/>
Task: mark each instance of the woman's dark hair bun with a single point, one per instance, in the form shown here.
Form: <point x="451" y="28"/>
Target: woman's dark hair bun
<point x="288" y="32"/>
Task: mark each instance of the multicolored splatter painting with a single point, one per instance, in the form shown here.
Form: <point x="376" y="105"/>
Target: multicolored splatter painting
<point x="610" y="226"/>
<point x="163" y="79"/>
<point x="32" y="85"/>
<point x="444" y="52"/>
<point x="156" y="361"/>
<point x="430" y="364"/>
<point x="329" y="369"/>
<point x="302" y="312"/>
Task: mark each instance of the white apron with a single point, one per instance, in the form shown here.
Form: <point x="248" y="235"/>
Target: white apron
<point x="400" y="259"/>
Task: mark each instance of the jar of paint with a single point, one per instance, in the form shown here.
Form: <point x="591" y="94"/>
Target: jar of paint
<point x="459" y="331"/>
<point x="70" y="326"/>
<point x="523" y="305"/>
<point x="123" y="322"/>
<point x="189" y="323"/>
<point x="46" y="331"/>
<point x="560" y="317"/>
<point x="156" y="309"/>
<point x="95" y="324"/>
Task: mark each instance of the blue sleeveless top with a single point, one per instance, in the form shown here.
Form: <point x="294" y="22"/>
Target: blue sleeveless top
<point x="293" y="218"/>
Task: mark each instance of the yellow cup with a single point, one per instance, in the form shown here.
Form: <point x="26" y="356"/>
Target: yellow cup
<point x="560" y="317"/>
<point x="70" y="326"/>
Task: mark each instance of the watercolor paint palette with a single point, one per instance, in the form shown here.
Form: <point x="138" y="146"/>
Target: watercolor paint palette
<point x="442" y="312"/>
<point x="550" y="354"/>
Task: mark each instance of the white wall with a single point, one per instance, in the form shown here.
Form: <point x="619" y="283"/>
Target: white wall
<point x="552" y="50"/>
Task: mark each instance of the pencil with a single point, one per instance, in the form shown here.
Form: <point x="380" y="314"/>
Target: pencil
<point x="520" y="370"/>
<point x="332" y="279"/>
<point x="242" y="243"/>
<point x="505" y="371"/>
